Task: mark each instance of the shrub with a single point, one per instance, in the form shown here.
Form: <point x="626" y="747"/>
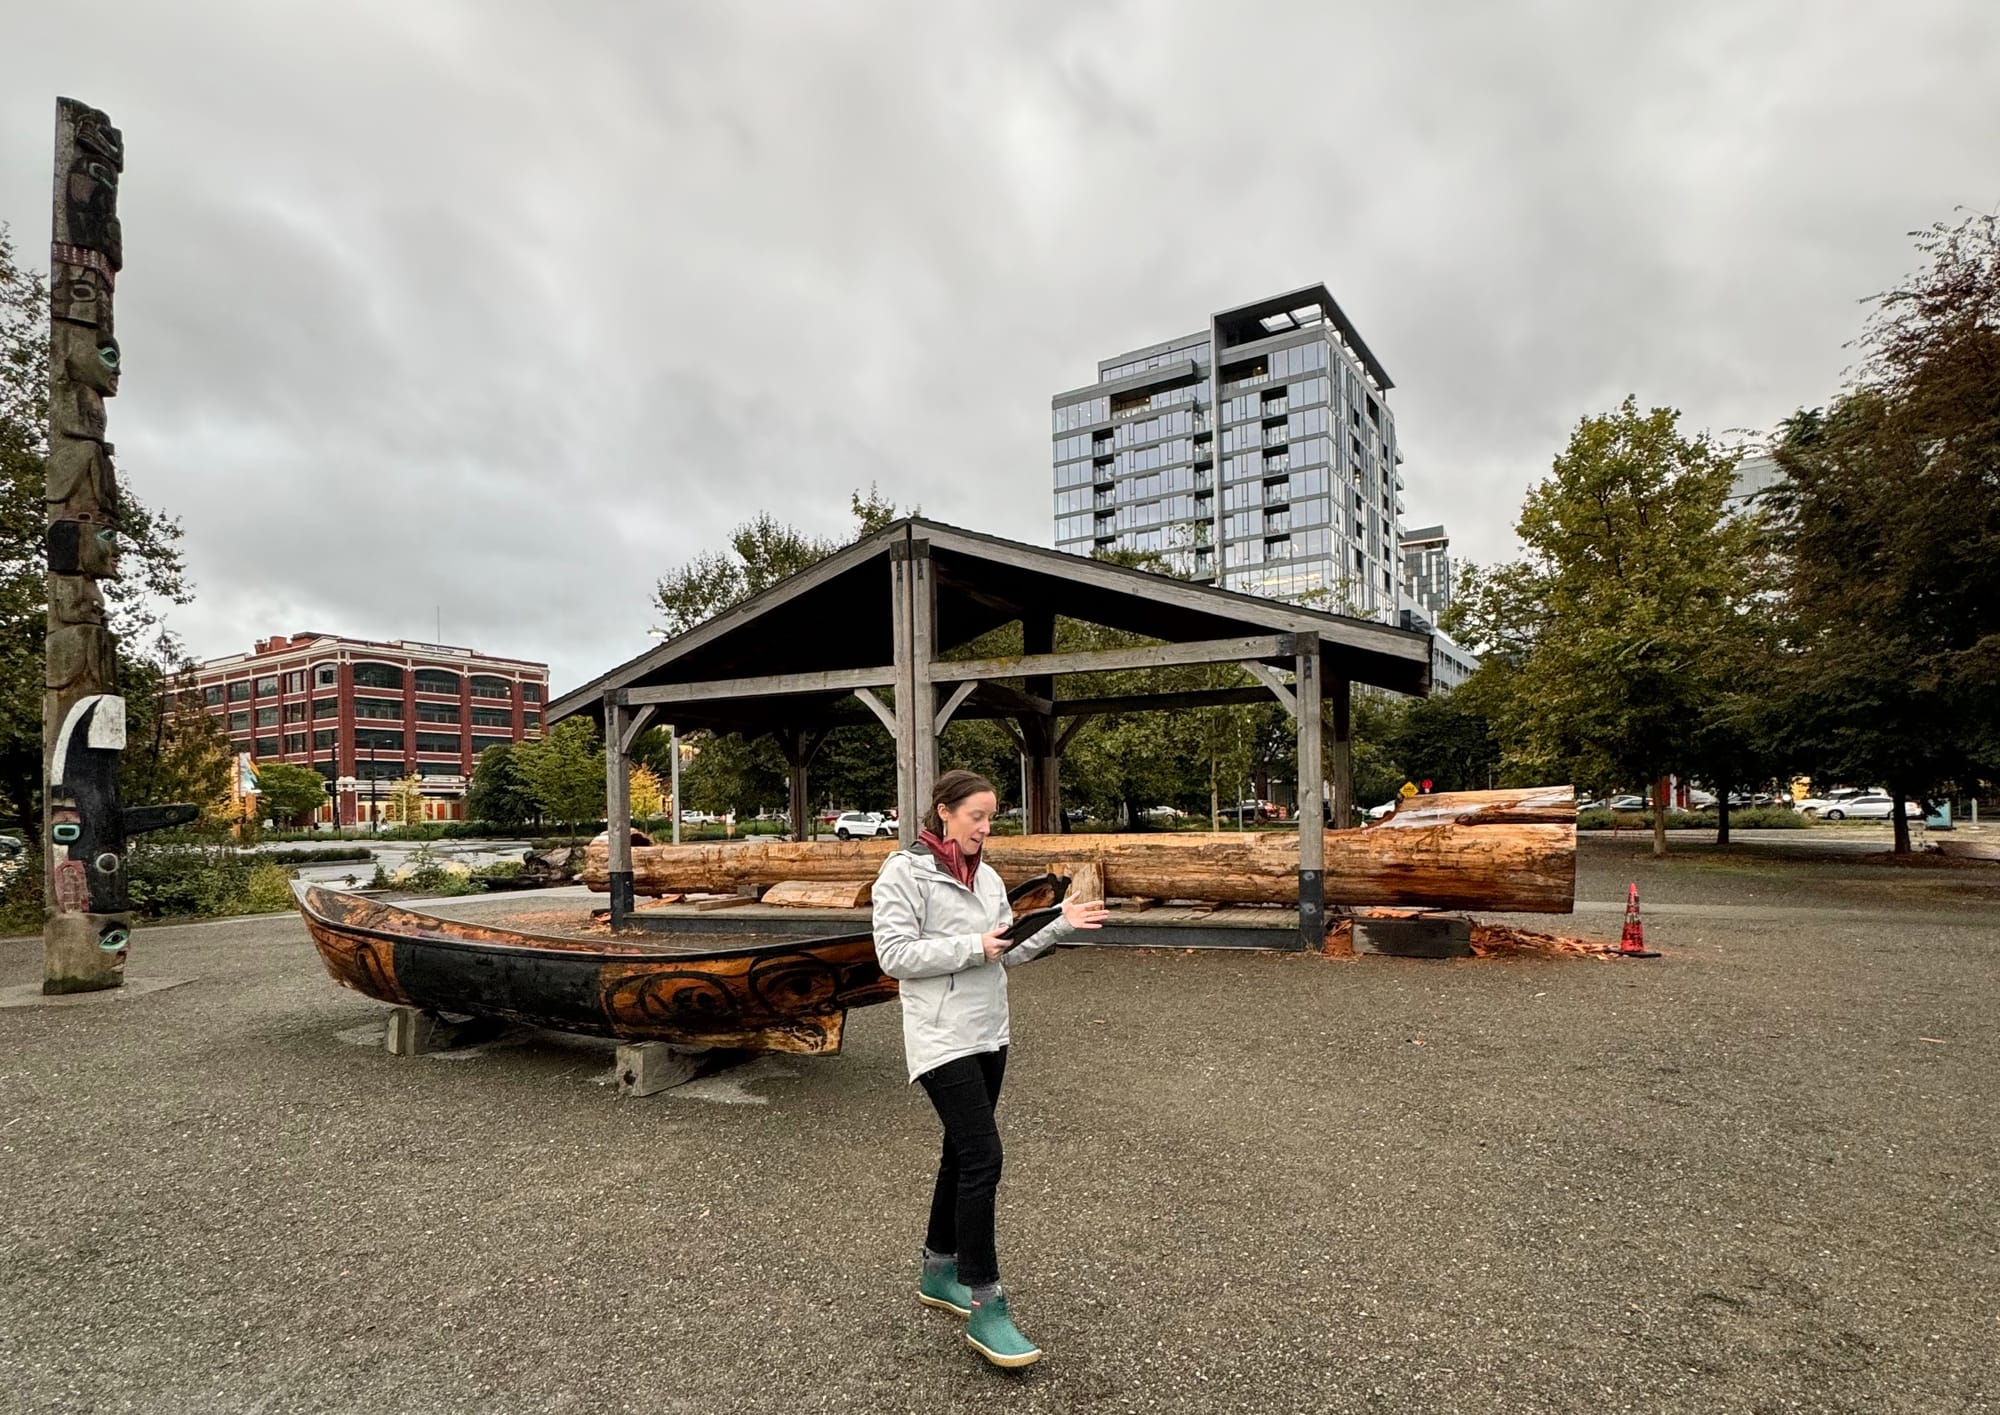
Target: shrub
<point x="330" y="855"/>
<point x="499" y="869"/>
<point x="267" y="889"/>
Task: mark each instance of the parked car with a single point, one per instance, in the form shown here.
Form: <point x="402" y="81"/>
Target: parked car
<point x="1815" y="805"/>
<point x="1626" y="803"/>
<point x="1257" y="810"/>
<point x="865" y="825"/>
<point x="1383" y="811"/>
<point x="1163" y="813"/>
<point x="1700" y="800"/>
<point x="1871" y="805"/>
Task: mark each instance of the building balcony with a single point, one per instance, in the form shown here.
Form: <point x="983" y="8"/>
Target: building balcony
<point x="1275" y="437"/>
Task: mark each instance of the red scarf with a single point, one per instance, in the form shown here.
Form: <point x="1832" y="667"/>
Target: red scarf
<point x="960" y="866"/>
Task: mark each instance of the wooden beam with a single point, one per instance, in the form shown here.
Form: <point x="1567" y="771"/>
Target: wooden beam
<point x="884" y="714"/>
<point x="1312" y="835"/>
<point x="1159" y="702"/>
<point x="1362" y="634"/>
<point x="1113" y="660"/>
<point x="1069" y="730"/>
<point x="1000" y="700"/>
<point x="1020" y="743"/>
<point x="833" y="680"/>
<point x="618" y="809"/>
<point x="638" y="720"/>
<point x="1275" y="681"/>
<point x="952" y="704"/>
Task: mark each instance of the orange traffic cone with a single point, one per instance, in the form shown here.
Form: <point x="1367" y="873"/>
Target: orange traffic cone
<point x="1632" y="942"/>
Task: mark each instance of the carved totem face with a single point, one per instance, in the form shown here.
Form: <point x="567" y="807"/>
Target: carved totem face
<point x="96" y="136"/>
<point x="80" y="295"/>
<point x="83" y="545"/>
<point x="91" y="197"/>
<point x="86" y="828"/>
<point x="82" y="480"/>
<point x="90" y="358"/>
<point x="79" y="412"/>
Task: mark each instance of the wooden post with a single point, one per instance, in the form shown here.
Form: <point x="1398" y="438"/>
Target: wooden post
<point x="88" y="924"/>
<point x="923" y="697"/>
<point x="1041" y="812"/>
<point x="800" y="747"/>
<point x="674" y="769"/>
<point x="1312" y="836"/>
<point x="1341" y="768"/>
<point x="906" y="692"/>
<point x="618" y="809"/>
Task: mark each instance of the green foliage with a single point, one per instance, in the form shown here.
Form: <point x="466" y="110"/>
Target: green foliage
<point x="564" y="771"/>
<point x="1754" y="818"/>
<point x="286" y="792"/>
<point x="169" y="881"/>
<point x="762" y="552"/>
<point x="426" y="873"/>
<point x="498" y="794"/>
<point x="1890" y="519"/>
<point x="332" y="854"/>
<point x="500" y="869"/>
<point x="1610" y="638"/>
<point x="152" y="574"/>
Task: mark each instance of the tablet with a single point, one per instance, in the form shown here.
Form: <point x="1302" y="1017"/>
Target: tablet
<point x="1026" y="926"/>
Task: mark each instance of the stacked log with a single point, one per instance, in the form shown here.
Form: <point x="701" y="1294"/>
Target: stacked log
<point x="1494" y="851"/>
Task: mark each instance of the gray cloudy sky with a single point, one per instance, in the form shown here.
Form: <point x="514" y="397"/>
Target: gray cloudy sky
<point x="506" y="307"/>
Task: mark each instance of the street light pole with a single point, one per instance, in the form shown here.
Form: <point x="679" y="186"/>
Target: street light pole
<point x="374" y="794"/>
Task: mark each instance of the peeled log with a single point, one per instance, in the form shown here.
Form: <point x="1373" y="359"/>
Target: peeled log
<point x="1495" y="864"/>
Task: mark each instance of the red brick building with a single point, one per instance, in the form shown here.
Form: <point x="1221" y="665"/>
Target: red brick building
<point x="365" y="714"/>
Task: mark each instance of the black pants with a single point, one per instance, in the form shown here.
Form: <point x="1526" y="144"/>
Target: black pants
<point x="965" y="1092"/>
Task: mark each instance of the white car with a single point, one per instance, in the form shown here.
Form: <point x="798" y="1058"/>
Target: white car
<point x="865" y="825"/>
<point x="1816" y="805"/>
<point x="1870" y="806"/>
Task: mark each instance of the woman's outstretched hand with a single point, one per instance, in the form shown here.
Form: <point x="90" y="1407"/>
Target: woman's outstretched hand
<point x="1085" y="913"/>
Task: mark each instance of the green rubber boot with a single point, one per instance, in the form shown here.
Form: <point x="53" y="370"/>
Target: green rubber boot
<point x="992" y="1333"/>
<point x="943" y="1290"/>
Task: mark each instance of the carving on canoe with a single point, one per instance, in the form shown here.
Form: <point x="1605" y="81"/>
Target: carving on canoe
<point x="789" y="996"/>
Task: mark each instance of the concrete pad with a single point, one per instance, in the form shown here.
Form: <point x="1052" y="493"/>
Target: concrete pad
<point x="31" y="994"/>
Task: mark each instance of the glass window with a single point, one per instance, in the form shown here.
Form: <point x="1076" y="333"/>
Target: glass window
<point x="325" y="675"/>
<point x="326" y="707"/>
<point x="268" y="747"/>
<point x="391" y="770"/>
<point x="378" y="738"/>
<point x="295" y="742"/>
<point x="212" y="695"/>
<point x="267" y="717"/>
<point x="436" y="680"/>
<point x="268" y="687"/>
<point x="437" y="769"/>
<point x="239" y="722"/>
<point x="378" y="675"/>
<point x="437" y="742"/>
<point x="480" y="744"/>
<point x="379" y="709"/>
<point x="488" y="687"/>
<point x="239" y="691"/>
<point x="295" y="682"/>
<point x="531" y="719"/>
<point x="323" y="740"/>
<point x="531" y="692"/>
<point x="492" y="717"/>
<point x="437" y="712"/>
<point x="295" y="712"/>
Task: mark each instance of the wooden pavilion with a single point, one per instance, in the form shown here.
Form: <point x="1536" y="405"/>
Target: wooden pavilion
<point x="871" y="630"/>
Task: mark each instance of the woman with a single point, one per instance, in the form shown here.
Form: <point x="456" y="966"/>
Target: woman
<point x="939" y="914"/>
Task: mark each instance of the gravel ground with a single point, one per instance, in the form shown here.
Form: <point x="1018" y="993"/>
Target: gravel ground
<point x="1754" y="1175"/>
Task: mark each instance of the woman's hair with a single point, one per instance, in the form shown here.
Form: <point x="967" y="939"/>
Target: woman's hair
<point x="951" y="788"/>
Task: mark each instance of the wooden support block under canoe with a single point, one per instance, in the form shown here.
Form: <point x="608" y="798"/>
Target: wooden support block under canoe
<point x="647" y="1068"/>
<point x="724" y="901"/>
<point x="820" y="894"/>
<point x="660" y="902"/>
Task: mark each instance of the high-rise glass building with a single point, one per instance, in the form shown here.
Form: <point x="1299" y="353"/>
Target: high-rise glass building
<point x="1269" y="468"/>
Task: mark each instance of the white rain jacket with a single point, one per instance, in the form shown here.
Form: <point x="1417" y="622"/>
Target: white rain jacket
<point x="927" y="932"/>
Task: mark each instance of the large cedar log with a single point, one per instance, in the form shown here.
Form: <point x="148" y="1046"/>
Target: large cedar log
<point x="1494" y="862"/>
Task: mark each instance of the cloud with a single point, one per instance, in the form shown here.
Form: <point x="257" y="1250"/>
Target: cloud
<point x="500" y="310"/>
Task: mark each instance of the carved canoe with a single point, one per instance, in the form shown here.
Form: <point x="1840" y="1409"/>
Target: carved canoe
<point x="787" y="996"/>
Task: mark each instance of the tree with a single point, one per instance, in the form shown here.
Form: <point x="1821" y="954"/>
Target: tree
<point x="498" y="793"/>
<point x="564" y="771"/>
<point x="1607" y="628"/>
<point x="174" y="749"/>
<point x="151" y="569"/>
<point x="762" y="552"/>
<point x="649" y="797"/>
<point x="405" y="804"/>
<point x="1890" y="519"/>
<point x="286" y="792"/>
<point x="1446" y="740"/>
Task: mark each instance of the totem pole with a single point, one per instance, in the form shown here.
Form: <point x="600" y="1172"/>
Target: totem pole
<point x="83" y="718"/>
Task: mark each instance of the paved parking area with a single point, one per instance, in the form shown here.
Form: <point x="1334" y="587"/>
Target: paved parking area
<point x="1754" y="1175"/>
